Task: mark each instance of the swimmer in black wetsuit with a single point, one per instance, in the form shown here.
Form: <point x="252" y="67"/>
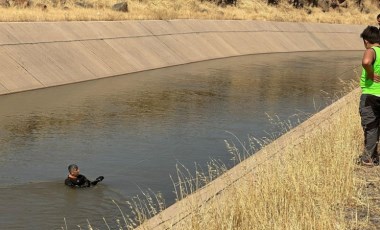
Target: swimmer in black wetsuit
<point x="76" y="180"/>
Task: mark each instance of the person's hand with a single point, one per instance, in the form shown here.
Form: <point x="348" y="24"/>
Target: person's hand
<point x="376" y="78"/>
<point x="97" y="180"/>
<point x="100" y="178"/>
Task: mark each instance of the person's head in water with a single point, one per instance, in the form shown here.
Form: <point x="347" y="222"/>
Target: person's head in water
<point x="378" y="19"/>
<point x="73" y="170"/>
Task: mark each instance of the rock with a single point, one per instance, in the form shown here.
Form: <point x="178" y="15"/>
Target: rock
<point x="343" y="3"/>
<point x="272" y="2"/>
<point x="325" y="5"/>
<point x="84" y="4"/>
<point x="43" y="7"/>
<point x="338" y="3"/>
<point x="223" y="3"/>
<point x="122" y="6"/>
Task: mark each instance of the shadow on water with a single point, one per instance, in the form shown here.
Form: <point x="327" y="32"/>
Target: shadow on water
<point x="133" y="129"/>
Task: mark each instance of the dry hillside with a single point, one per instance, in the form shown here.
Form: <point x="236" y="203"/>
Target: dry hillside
<point x="337" y="11"/>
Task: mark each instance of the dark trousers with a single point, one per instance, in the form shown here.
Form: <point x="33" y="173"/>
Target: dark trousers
<point x="369" y="109"/>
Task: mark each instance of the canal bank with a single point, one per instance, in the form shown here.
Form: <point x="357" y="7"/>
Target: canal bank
<point x="46" y="54"/>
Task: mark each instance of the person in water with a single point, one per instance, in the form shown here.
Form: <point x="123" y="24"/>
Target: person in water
<point x="76" y="180"/>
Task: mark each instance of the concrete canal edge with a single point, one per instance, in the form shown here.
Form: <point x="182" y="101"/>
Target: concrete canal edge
<point x="44" y="54"/>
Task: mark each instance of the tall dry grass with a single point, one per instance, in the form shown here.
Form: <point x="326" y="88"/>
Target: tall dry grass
<point x="189" y="9"/>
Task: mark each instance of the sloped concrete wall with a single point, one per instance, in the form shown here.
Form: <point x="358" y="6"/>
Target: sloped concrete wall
<point x="37" y="55"/>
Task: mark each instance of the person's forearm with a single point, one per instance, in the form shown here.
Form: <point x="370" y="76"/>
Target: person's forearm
<point x="369" y="70"/>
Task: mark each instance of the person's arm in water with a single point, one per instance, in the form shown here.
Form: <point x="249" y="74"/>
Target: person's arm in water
<point x="97" y="180"/>
<point x="82" y="182"/>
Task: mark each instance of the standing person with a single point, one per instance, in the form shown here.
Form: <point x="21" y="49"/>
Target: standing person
<point x="76" y="180"/>
<point x="378" y="20"/>
<point x="369" y="106"/>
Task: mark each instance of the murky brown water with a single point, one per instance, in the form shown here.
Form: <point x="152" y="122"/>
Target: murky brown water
<point x="134" y="129"/>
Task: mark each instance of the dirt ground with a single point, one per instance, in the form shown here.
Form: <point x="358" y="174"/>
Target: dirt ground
<point x="364" y="211"/>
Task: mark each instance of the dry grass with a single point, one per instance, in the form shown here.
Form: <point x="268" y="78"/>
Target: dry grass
<point x="187" y="9"/>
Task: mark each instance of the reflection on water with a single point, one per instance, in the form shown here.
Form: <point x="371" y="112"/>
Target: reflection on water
<point x="134" y="129"/>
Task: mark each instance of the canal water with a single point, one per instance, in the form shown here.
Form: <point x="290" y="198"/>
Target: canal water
<point x="134" y="129"/>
